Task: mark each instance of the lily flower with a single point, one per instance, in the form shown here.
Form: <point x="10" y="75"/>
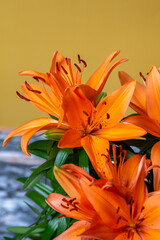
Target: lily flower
<point x="93" y="127"/>
<point x="61" y="77"/>
<point x="146" y="101"/>
<point x="101" y="213"/>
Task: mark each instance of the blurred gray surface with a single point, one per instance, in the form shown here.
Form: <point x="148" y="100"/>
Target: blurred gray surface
<point x="14" y="164"/>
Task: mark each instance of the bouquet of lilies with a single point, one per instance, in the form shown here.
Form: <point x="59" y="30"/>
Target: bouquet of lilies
<point x="101" y="177"/>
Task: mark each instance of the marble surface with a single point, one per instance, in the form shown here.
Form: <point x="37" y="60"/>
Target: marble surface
<point x="14" y="164"/>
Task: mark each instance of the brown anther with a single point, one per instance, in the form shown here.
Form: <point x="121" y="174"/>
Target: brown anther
<point x="64" y="70"/>
<point x="100" y="126"/>
<point x="141" y="219"/>
<point x="89" y="120"/>
<point x="141" y="75"/>
<point x="118" y="220"/>
<point x="67" y="60"/>
<point x="79" y="59"/>
<point x="85" y="113"/>
<point x="142" y="209"/>
<point x="36" y="79"/>
<point x="30" y="88"/>
<point x="57" y="66"/>
<point x="118" y="209"/>
<point x="67" y="207"/>
<point x="85" y="64"/>
<point x="72" y="200"/>
<point x="22" y="97"/>
<point x="40" y="78"/>
<point x="108" y="116"/>
<point x="77" y="67"/>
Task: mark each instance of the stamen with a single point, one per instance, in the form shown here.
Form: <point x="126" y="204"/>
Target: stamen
<point x="100" y="126"/>
<point x="79" y="59"/>
<point x="22" y="97"/>
<point x="143" y="78"/>
<point x="77" y="67"/>
<point x="39" y="78"/>
<point x="129" y="233"/>
<point x="70" y="203"/>
<point x="30" y="88"/>
<point x="85" y="64"/>
<point x="64" y="70"/>
<point x="67" y="207"/>
<point x="67" y="60"/>
<point x="57" y="66"/>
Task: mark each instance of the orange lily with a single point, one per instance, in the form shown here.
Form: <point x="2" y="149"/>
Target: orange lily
<point x="146" y="101"/>
<point x="93" y="127"/>
<point x="61" y="76"/>
<point x="103" y="214"/>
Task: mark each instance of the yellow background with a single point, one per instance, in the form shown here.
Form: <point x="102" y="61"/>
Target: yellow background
<point x="31" y="30"/>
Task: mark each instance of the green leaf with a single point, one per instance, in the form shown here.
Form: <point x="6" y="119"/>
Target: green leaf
<point x="43" y="189"/>
<point x="55" y="118"/>
<point x="100" y="97"/>
<point x="24" y="229"/>
<point x="31" y="181"/>
<point x="62" y="225"/>
<point x="62" y="156"/>
<point x="50" y="229"/>
<point x="40" y="148"/>
<point x="37" y="198"/>
<point x="84" y="160"/>
<point x="33" y="209"/>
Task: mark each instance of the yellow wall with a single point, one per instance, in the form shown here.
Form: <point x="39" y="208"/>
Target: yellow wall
<point x="32" y="29"/>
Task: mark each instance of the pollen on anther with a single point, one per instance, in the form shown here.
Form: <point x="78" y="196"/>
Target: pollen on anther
<point x="108" y="116"/>
<point x="22" y="97"/>
<point x="64" y="70"/>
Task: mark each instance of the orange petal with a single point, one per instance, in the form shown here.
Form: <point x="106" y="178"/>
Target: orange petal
<point x="40" y="76"/>
<point x="45" y="101"/>
<point x="120" y="132"/>
<point x="113" y="107"/>
<point x="146" y="123"/>
<point x="99" y="78"/>
<point x="101" y="231"/>
<point x="73" y="233"/>
<point x="60" y="204"/>
<point x="151" y="212"/>
<point x="155" y="158"/>
<point x="69" y="180"/>
<point x="105" y="203"/>
<point x="28" y="129"/>
<point x="130" y="170"/>
<point x="153" y="94"/>
<point x="138" y="101"/>
<point x="77" y="108"/>
<point x="149" y="234"/>
<point x="72" y="138"/>
<point x="140" y="189"/>
<point x="98" y="149"/>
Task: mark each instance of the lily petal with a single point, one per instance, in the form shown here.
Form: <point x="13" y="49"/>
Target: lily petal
<point x="146" y="123"/>
<point x="73" y="233"/>
<point x="28" y="129"/>
<point x="72" y="138"/>
<point x="61" y="204"/>
<point x="39" y="76"/>
<point x="77" y="108"/>
<point x="153" y="94"/>
<point x="155" y="158"/>
<point x="138" y="101"/>
<point x="99" y="78"/>
<point x="98" y="149"/>
<point x="115" y="105"/>
<point x="101" y="231"/>
<point x="121" y="132"/>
